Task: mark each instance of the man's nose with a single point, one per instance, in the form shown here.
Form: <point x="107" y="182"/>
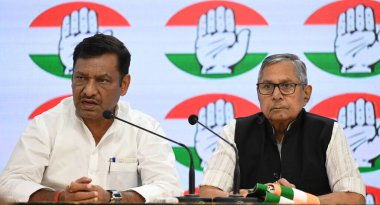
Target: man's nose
<point x="91" y="88"/>
<point x="277" y="93"/>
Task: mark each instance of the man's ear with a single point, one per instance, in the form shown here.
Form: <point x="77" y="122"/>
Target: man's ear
<point x="125" y="84"/>
<point x="307" y="91"/>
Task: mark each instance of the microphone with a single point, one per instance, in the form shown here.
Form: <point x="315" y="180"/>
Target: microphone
<point x="191" y="197"/>
<point x="235" y="197"/>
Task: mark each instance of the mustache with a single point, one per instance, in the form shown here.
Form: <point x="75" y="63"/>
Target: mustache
<point x="86" y="99"/>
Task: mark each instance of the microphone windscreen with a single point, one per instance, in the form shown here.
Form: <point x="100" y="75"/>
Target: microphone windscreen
<point x="108" y="114"/>
<point x="193" y="119"/>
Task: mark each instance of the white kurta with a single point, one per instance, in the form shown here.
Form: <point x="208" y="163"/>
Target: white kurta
<point x="58" y="148"/>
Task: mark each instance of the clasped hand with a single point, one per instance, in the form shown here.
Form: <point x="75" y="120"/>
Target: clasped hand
<point x="83" y="191"/>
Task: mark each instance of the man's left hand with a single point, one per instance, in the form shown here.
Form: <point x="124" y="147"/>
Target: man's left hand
<point x="82" y="191"/>
<point x="285" y="182"/>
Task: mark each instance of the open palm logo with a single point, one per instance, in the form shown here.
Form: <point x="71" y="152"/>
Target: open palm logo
<point x="359" y="116"/>
<point x="218" y="46"/>
<point x="214" y="111"/>
<point x="214" y="115"/>
<point x="357" y="43"/>
<point x="76" y="21"/>
<point x="221" y="41"/>
<point x="76" y="26"/>
<point x="358" y="120"/>
<point x="356" y="47"/>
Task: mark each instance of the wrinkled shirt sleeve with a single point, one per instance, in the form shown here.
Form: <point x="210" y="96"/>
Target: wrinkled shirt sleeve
<point x="23" y="174"/>
<point x="343" y="172"/>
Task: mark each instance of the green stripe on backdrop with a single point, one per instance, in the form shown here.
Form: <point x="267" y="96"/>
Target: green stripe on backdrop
<point x="190" y="64"/>
<point x="50" y="63"/>
<point x="329" y="63"/>
<point x="182" y="157"/>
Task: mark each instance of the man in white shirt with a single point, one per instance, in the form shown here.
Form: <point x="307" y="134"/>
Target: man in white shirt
<point x="71" y="153"/>
<point x="285" y="144"/>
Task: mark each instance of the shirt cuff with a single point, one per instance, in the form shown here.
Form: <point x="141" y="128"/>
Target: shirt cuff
<point x="217" y="179"/>
<point x="151" y="192"/>
<point x="350" y="184"/>
<point x="23" y="191"/>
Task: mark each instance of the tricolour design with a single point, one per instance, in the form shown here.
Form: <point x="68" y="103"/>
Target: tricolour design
<point x="213" y="110"/>
<point x="58" y="62"/>
<point x="354" y="51"/>
<point x="220" y="49"/>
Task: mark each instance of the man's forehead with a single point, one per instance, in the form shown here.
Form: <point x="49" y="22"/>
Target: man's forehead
<point x="96" y="74"/>
<point x="279" y="77"/>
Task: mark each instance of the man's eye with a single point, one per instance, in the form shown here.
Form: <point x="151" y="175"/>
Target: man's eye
<point x="103" y="80"/>
<point x="286" y="85"/>
<point x="79" y="77"/>
<point x="267" y="86"/>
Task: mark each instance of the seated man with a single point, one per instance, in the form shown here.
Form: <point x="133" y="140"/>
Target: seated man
<point x="284" y="143"/>
<point x="71" y="153"/>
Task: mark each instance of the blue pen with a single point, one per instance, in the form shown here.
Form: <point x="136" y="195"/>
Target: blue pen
<point x="112" y="159"/>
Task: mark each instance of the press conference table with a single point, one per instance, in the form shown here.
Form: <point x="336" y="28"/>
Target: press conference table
<point x="181" y="203"/>
<point x="204" y="201"/>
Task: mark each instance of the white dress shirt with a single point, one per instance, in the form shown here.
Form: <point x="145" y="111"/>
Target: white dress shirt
<point x="341" y="168"/>
<point x="57" y="148"/>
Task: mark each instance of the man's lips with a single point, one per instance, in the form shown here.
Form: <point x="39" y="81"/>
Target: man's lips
<point x="88" y="104"/>
<point x="278" y="108"/>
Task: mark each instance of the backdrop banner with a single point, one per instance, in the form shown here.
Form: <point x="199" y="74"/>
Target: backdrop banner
<point x="199" y="57"/>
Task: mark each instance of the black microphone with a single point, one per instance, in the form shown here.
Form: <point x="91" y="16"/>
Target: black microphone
<point x="193" y="119"/>
<point x="108" y="114"/>
<point x="236" y="197"/>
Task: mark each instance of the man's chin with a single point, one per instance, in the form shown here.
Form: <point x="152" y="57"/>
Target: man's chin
<point x="90" y="114"/>
<point x="279" y="114"/>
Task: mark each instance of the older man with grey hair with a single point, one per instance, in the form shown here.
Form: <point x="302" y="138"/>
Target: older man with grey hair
<point x="284" y="143"/>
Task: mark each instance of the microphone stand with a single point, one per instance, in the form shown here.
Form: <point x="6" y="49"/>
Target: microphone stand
<point x="191" y="197"/>
<point x="235" y="197"/>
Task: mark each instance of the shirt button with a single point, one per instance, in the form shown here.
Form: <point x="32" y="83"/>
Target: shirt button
<point x="276" y="175"/>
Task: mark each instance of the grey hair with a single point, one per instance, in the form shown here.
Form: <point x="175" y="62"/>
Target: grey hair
<point x="299" y="66"/>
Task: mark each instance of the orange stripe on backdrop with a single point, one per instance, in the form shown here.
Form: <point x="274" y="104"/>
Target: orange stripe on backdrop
<point x="53" y="17"/>
<point x="329" y="14"/>
<point x="189" y="16"/>
<point x="47" y="106"/>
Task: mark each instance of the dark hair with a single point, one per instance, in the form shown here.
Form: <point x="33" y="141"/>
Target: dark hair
<point x="100" y="44"/>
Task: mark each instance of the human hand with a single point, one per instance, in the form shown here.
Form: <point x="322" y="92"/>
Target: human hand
<point x="357" y="45"/>
<point x="218" y="47"/>
<point x="358" y="120"/>
<point x="243" y="192"/>
<point x="82" y="191"/>
<point x="284" y="182"/>
<point x="214" y="116"/>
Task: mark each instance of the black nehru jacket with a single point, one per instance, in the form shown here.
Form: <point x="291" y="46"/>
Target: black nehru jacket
<point x="303" y="152"/>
